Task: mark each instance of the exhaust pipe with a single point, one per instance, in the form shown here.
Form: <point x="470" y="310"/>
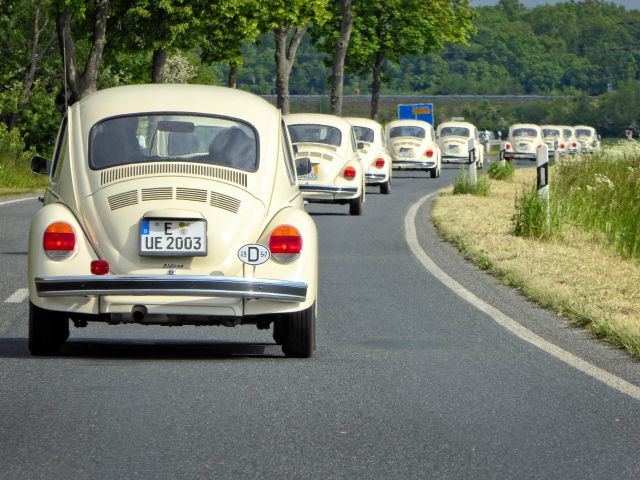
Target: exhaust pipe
<point x="138" y="313"/>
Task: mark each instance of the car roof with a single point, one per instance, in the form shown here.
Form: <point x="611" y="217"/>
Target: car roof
<point x="415" y="123"/>
<point x="456" y="124"/>
<point x="524" y="125"/>
<point x="363" y="122"/>
<point x="317" y="118"/>
<point x="199" y="99"/>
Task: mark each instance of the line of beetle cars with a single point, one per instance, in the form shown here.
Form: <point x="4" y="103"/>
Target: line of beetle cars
<point x="184" y="205"/>
<point x="524" y="139"/>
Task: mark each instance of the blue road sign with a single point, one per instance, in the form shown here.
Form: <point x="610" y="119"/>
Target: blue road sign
<point x="420" y="111"/>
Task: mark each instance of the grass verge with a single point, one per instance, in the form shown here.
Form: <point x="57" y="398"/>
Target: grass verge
<point x="16" y="177"/>
<point x="575" y="272"/>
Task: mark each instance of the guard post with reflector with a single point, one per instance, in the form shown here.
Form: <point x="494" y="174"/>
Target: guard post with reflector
<point x="556" y="152"/>
<point x="542" y="167"/>
<point x="473" y="168"/>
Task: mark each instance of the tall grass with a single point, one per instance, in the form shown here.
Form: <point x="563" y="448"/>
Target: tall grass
<point x="15" y="174"/>
<point x="602" y="193"/>
<point x="462" y="185"/>
<point x="498" y="172"/>
<point x="535" y="217"/>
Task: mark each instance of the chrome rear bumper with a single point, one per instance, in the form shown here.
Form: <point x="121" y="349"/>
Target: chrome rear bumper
<point x="182" y="285"/>
<point x="375" y="176"/>
<point x="330" y="189"/>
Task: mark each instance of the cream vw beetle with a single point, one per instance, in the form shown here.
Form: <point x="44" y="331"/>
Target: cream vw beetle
<point x="329" y="142"/>
<point x="454" y="139"/>
<point x="587" y="138"/>
<point x="523" y="141"/>
<point x="412" y="146"/>
<point x="374" y="156"/>
<point x="570" y="137"/>
<point x="173" y="205"/>
<point x="553" y="135"/>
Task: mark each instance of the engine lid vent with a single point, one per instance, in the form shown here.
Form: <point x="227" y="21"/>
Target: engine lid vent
<point x="124" y="199"/>
<point x="225" y="202"/>
<point x="160" y="193"/>
<point x="191" y="194"/>
<point x="176" y="168"/>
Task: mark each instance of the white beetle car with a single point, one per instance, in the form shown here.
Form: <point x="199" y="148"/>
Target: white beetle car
<point x="587" y="138"/>
<point x="173" y="205"/>
<point x="523" y="141"/>
<point x="454" y="139"/>
<point x="412" y="145"/>
<point x="570" y="137"/>
<point x="374" y="156"/>
<point x="553" y="135"/>
<point x="329" y="142"/>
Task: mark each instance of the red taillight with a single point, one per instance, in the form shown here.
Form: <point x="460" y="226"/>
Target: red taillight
<point x="429" y="153"/>
<point x="59" y="240"/>
<point x="99" y="267"/>
<point x="349" y="172"/>
<point x="285" y="240"/>
<point x="562" y="145"/>
<point x="380" y="162"/>
<point x="507" y="146"/>
<point x="574" y="144"/>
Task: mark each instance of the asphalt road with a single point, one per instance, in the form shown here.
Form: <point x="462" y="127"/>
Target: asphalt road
<point x="409" y="381"/>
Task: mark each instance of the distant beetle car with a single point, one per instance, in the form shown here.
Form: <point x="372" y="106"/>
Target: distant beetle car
<point x="453" y="139"/>
<point x="587" y="139"/>
<point x="173" y="205"/>
<point x="412" y="145"/>
<point x="523" y="141"/>
<point x="372" y="149"/>
<point x="553" y="136"/>
<point x="329" y="144"/>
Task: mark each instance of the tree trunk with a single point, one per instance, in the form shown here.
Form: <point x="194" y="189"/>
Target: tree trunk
<point x="337" y="75"/>
<point x="285" y="55"/>
<point x="232" y="79"/>
<point x="159" y="61"/>
<point x="82" y="84"/>
<point x="377" y="83"/>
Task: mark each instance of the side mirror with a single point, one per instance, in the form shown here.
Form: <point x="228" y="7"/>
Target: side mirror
<point x="40" y="165"/>
<point x="360" y="145"/>
<point x="303" y="166"/>
<point x="295" y="148"/>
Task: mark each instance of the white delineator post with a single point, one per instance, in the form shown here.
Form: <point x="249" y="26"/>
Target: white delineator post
<point x="473" y="172"/>
<point x="556" y="153"/>
<point x="542" y="167"/>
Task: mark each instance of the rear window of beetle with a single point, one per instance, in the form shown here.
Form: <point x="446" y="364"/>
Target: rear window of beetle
<point x="407" y="131"/>
<point x="173" y="138"/>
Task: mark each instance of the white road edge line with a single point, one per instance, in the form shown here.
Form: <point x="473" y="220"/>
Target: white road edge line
<point x="17" y="200"/>
<point x="505" y="321"/>
<point x="18" y="296"/>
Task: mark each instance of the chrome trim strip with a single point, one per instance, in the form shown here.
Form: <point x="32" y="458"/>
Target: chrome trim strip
<point x="182" y="285"/>
<point x="413" y="162"/>
<point x="375" y="176"/>
<point x="328" y="189"/>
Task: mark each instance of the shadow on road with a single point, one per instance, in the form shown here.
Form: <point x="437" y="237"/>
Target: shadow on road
<point x="134" y="349"/>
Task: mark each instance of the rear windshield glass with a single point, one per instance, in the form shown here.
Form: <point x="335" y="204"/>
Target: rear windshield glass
<point x="364" y="134"/>
<point x="173" y="138"/>
<point x="524" y="132"/>
<point x="454" y="132"/>
<point x="315" y="134"/>
<point x="407" y="131"/>
<point x="550" y="132"/>
<point x="568" y="133"/>
<point x="583" y="132"/>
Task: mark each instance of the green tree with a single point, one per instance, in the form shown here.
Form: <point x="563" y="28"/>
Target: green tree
<point x="386" y="30"/>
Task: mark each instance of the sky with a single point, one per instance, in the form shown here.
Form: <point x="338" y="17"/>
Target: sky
<point x="629" y="4"/>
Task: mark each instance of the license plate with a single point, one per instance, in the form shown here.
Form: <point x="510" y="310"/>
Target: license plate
<point x="173" y="238"/>
<point x="308" y="176"/>
<point x="453" y="148"/>
<point x="523" y="145"/>
<point x="406" y="152"/>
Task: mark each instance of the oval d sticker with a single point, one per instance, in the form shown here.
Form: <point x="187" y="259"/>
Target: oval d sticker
<point x="254" y="254"/>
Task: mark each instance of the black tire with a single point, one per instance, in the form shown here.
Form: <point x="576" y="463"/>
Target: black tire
<point x="385" y="188"/>
<point x="278" y="334"/>
<point x="435" y="172"/>
<point x="356" y="206"/>
<point x="299" y="333"/>
<point x="47" y="330"/>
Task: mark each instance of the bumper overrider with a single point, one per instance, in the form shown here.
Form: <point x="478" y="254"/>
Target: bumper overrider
<point x="181" y="285"/>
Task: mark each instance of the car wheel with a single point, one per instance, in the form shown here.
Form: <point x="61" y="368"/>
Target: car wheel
<point x="278" y="334"/>
<point x="385" y="187"/>
<point x="434" y="172"/>
<point x="47" y="330"/>
<point x="356" y="206"/>
<point x="299" y="333"/>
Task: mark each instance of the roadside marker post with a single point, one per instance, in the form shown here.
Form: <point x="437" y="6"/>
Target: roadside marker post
<point x="473" y="168"/>
<point x="556" y="153"/>
<point x="542" y="167"/>
<point x="503" y="162"/>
